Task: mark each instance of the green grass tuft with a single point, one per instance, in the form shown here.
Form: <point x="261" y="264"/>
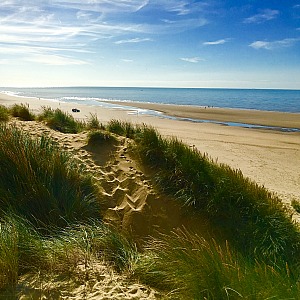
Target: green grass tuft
<point x="42" y="183"/>
<point x="189" y="267"/>
<point x="99" y="137"/>
<point x="296" y="205"/>
<point x="24" y="249"/>
<point x="122" y="128"/>
<point x="61" y="121"/>
<point x="93" y="123"/>
<point x="22" y="112"/>
<point x="4" y="113"/>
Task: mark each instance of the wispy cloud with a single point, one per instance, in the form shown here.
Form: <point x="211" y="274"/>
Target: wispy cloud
<point x="61" y="26"/>
<point x="218" y="42"/>
<point x="181" y="7"/>
<point x="41" y="55"/>
<point x="135" y="40"/>
<point x="56" y="60"/>
<point x="192" y="59"/>
<point x="275" y="44"/>
<point x="169" y="26"/>
<point x="127" y="60"/>
<point x="102" y="6"/>
<point x="263" y="16"/>
<point x="43" y="32"/>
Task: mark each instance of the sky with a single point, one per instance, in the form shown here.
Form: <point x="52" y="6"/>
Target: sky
<point x="150" y="43"/>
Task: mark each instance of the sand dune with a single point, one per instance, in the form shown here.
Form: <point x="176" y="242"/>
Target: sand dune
<point x="133" y="206"/>
<point x="271" y="158"/>
<point x="127" y="192"/>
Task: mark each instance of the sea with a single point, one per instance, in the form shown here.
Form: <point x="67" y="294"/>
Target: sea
<point x="256" y="99"/>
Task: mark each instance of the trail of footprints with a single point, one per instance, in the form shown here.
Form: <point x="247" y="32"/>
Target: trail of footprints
<point x="125" y="189"/>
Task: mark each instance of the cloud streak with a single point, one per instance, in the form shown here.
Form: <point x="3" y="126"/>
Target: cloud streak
<point x="263" y="16"/>
<point x="61" y="26"/>
<point x="135" y="40"/>
<point x="275" y="44"/>
<point x="181" y="7"/>
<point x="102" y="6"/>
<point x="54" y="60"/>
<point x="193" y="60"/>
<point x="218" y="42"/>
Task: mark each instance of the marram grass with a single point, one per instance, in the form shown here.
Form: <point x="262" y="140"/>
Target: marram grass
<point x="99" y="137"/>
<point x="296" y="205"/>
<point x="122" y="128"/>
<point x="187" y="266"/>
<point x="60" y="120"/>
<point x="43" y="183"/>
<point x="22" y="112"/>
<point x="250" y="217"/>
<point x="4" y="113"/>
<point x="24" y="249"/>
<point x="93" y="122"/>
<point x="44" y="188"/>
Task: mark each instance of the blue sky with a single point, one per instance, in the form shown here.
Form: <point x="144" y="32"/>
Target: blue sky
<point x="165" y="43"/>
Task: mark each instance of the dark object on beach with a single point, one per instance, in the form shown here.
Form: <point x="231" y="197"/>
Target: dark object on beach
<point x="75" y="110"/>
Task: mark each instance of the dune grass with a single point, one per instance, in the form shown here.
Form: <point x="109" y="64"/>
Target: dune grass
<point x="22" y="112"/>
<point x="296" y="205"/>
<point x="61" y="121"/>
<point x="43" y="183"/>
<point x="24" y="249"/>
<point x="122" y="128"/>
<point x="93" y="123"/>
<point x="260" y="259"/>
<point x="4" y="113"/>
<point x="250" y="217"/>
<point x="50" y="217"/>
<point x="99" y="137"/>
<point x="190" y="267"/>
<point x="50" y="221"/>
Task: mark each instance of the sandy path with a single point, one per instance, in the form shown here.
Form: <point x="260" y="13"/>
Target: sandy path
<point x="133" y="205"/>
<point x="128" y="194"/>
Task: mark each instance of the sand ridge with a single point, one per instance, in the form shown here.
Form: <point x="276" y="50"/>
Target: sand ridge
<point x="133" y="203"/>
<point x="125" y="193"/>
<point x="133" y="206"/>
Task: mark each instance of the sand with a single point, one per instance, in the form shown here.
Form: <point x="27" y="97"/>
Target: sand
<point x="270" y="158"/>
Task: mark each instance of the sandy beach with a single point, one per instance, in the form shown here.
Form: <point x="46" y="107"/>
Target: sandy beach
<point x="269" y="157"/>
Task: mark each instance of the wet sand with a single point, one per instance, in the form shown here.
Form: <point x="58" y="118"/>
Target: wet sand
<point x="255" y="117"/>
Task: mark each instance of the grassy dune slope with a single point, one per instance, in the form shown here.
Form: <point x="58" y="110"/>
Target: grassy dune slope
<point x="70" y="204"/>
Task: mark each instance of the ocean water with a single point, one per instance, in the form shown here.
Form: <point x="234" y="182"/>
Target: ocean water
<point x="258" y="99"/>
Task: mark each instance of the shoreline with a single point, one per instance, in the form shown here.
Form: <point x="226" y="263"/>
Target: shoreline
<point x="268" y="157"/>
<point x="246" y="118"/>
<point x="221" y="115"/>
